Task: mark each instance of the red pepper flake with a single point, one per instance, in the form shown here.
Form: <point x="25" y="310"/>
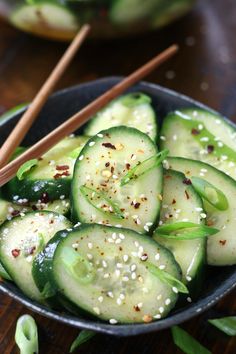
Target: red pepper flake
<point x="44" y="198"/>
<point x="15" y="212"/>
<point x="127" y="166"/>
<point x="210" y="222"/>
<point x="186" y="193"/>
<point x="109" y="146"/>
<point x="51" y="221"/>
<point x="15" y="253"/>
<point x="62" y="167"/>
<point x="187" y="181"/>
<point x="59" y="175"/>
<point x="31" y="250"/>
<point x="168" y="177"/>
<point x="136" y="308"/>
<point x="34" y="208"/>
<point x="173" y="201"/>
<point x="112" y="169"/>
<point x="222" y="242"/>
<point x="136" y="205"/>
<point x="195" y="131"/>
<point x="107" y="164"/>
<point x="210" y="148"/>
<point x="40" y="159"/>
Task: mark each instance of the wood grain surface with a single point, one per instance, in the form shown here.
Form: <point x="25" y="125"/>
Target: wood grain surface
<point x="205" y="69"/>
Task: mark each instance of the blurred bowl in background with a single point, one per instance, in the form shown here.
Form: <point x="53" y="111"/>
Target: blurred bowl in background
<point x="61" y="19"/>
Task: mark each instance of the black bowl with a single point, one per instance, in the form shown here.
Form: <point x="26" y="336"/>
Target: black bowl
<point x="219" y="281"/>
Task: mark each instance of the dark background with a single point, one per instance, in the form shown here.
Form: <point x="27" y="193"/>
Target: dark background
<point x="204" y="69"/>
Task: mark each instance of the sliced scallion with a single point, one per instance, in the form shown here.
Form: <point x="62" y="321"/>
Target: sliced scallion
<point x="185" y="231"/>
<point x="225" y="324"/>
<point x="26" y="335"/>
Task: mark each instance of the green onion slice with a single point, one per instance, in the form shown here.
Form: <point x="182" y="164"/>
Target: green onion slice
<point x="100" y="201"/>
<point x="82" y="338"/>
<point x="187" y="343"/>
<point x="225" y="324"/>
<point x="207" y="191"/>
<point x="185" y="231"/>
<point x="26" y="335"/>
<point x="144" y="167"/>
<point x="166" y="278"/>
<point x="26" y="168"/>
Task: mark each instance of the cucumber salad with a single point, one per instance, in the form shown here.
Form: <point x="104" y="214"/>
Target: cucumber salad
<point x="120" y="222"/>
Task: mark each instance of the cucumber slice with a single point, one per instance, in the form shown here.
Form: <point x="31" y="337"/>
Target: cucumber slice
<point x="97" y="192"/>
<point x="201" y="135"/>
<point x="51" y="175"/>
<point x="3" y="273"/>
<point x="126" y="11"/>
<point x="112" y="280"/>
<point x="182" y="203"/>
<point x="21" y="239"/>
<point x="221" y="248"/>
<point x="44" y="18"/>
<point x="132" y="110"/>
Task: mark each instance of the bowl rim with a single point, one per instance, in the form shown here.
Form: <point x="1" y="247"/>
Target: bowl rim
<point x="122" y="330"/>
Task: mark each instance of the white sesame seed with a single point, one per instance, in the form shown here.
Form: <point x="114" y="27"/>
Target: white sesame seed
<point x="198" y="209"/>
<point x="200" y="126"/>
<point x="113" y="235"/>
<point x="122" y="236"/>
<point x="167" y="302"/>
<point x="146" y="228"/>
<point x="122" y="296"/>
<point x="133" y="276"/>
<point x="110" y="294"/>
<point x="136" y="243"/>
<point x="175" y="290"/>
<point x="189" y="299"/>
<point x="117" y="271"/>
<point x="133" y="157"/>
<point x="119" y="301"/>
<point x="118" y="241"/>
<point x="100" y="135"/>
<point x="92" y="143"/>
<point x="90" y="245"/>
<point x="81" y="157"/>
<point x="203" y="215"/>
<point x="158" y="316"/>
<point x="110" y="240"/>
<point x="100" y="299"/>
<point x="89" y="256"/>
<point x="188" y="278"/>
<point x="113" y="321"/>
<point x="140" y="305"/>
<point x="133" y="267"/>
<point x="140" y="249"/>
<point x="125" y="278"/>
<point x="104" y="263"/>
<point x="157" y="256"/>
<point x="119" y="265"/>
<point x="162" y="266"/>
<point x="162" y="137"/>
<point x="97" y="310"/>
<point x="161" y="309"/>
<point x="125" y="258"/>
<point x="159" y="297"/>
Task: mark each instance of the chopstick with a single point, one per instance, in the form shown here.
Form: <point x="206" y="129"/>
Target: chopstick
<point x="26" y="121"/>
<point x="77" y="120"/>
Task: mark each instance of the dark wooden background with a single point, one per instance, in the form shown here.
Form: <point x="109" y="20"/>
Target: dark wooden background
<point x="205" y="69"/>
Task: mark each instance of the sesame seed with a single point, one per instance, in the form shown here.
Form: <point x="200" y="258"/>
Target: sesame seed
<point x="203" y="215"/>
<point x="133" y="276"/>
<point x="110" y="294"/>
<point x="125" y="278"/>
<point x="140" y="249"/>
<point x="162" y="137"/>
<point x="104" y="263"/>
<point x="119" y="301"/>
<point x="89" y="256"/>
<point x="117" y="271"/>
<point x="90" y="245"/>
<point x="161" y="309"/>
<point x="115" y="177"/>
<point x="167" y="302"/>
<point x="125" y="258"/>
<point x="100" y="135"/>
<point x="146" y="228"/>
<point x="81" y="157"/>
<point x="133" y="267"/>
<point x="122" y="236"/>
<point x="118" y="241"/>
<point x="97" y="310"/>
<point x="159" y="297"/>
<point x="119" y="265"/>
<point x="133" y="157"/>
<point x="100" y="299"/>
<point x="122" y="296"/>
<point x="189" y="299"/>
<point x="110" y="240"/>
<point x="92" y="143"/>
<point x="158" y="316"/>
<point x="162" y="266"/>
<point x="157" y="256"/>
<point x="136" y="243"/>
<point x="175" y="290"/>
<point x="188" y="278"/>
<point x="106" y="275"/>
<point x="113" y="321"/>
<point x="113" y="235"/>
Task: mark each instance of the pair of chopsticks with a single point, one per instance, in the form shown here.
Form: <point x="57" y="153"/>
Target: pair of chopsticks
<point x="77" y="120"/>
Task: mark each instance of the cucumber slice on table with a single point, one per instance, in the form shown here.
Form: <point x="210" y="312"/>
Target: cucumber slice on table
<point x="201" y="135"/>
<point x="46" y="16"/>
<point x="221" y="248"/>
<point x="21" y="239"/>
<point x="132" y="110"/>
<point x="108" y="188"/>
<point x="52" y="174"/>
<point x="126" y="11"/>
<point x="113" y="280"/>
<point x="182" y="203"/>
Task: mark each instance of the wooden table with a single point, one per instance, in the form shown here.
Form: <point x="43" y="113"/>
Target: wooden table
<point x="205" y="69"/>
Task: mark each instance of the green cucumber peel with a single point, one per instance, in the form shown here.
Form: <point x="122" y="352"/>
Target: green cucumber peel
<point x="115" y="210"/>
<point x="82" y="338"/>
<point x="204" y="133"/>
<point x="134" y="99"/>
<point x="26" y="168"/>
<point x="144" y="167"/>
<point x="26" y="335"/>
<point x="185" y="231"/>
<point x="186" y="342"/>
<point x="166" y="278"/>
<point x="225" y="324"/>
<point x="48" y="291"/>
<point x="3" y="273"/>
<point x="80" y="269"/>
<point x="209" y="192"/>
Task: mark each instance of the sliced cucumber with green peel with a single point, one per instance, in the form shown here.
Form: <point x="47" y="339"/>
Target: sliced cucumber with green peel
<point x="98" y="192"/>
<point x="201" y="135"/>
<point x="46" y="16"/>
<point x="3" y="273"/>
<point x="21" y="239"/>
<point x="182" y="203"/>
<point x="112" y="274"/>
<point x="221" y="248"/>
<point x="51" y="174"/>
<point x="132" y="110"/>
<point x="127" y="11"/>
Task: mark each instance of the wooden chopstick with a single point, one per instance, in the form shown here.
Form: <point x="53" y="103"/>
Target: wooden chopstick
<point x="77" y="120"/>
<point x="26" y="121"/>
